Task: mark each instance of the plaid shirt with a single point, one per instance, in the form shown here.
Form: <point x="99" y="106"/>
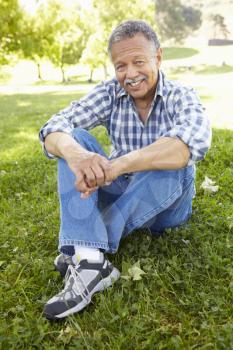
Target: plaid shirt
<point x="176" y="112"/>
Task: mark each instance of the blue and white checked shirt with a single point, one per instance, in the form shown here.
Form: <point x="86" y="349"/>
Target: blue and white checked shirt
<point x="175" y="112"/>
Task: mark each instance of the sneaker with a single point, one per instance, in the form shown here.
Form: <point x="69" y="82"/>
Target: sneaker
<point x="81" y="282"/>
<point x="62" y="262"/>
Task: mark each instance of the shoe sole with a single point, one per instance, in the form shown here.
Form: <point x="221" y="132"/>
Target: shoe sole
<point x="102" y="285"/>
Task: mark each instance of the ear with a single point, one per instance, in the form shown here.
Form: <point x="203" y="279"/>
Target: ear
<point x="159" y="54"/>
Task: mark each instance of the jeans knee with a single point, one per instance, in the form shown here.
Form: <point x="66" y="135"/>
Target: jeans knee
<point x="84" y="138"/>
<point x="87" y="141"/>
<point x="80" y="134"/>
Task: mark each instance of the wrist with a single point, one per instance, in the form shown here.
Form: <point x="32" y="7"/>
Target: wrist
<point x="69" y="148"/>
<point x="70" y="152"/>
<point x="119" y="166"/>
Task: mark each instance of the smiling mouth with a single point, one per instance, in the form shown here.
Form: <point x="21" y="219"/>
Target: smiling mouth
<point x="134" y="82"/>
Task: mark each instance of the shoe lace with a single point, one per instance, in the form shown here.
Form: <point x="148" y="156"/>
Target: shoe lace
<point x="72" y="273"/>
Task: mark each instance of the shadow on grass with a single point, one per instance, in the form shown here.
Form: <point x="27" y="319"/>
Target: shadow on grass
<point x="25" y="109"/>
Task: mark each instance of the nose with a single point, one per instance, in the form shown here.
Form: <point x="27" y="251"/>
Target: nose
<point x="131" y="71"/>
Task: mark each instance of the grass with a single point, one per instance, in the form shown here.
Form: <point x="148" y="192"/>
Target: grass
<point x="215" y="69"/>
<point x="174" y="53"/>
<point x="184" y="301"/>
<point x="202" y="69"/>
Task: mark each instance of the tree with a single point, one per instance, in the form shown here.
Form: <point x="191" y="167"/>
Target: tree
<point x="176" y="21"/>
<point x="95" y="54"/>
<point x="69" y="43"/>
<point x="70" y="36"/>
<point x="10" y="28"/>
<point x="51" y="34"/>
<point x="111" y="13"/>
<point x="39" y="32"/>
<point x="220" y="27"/>
<point x="107" y="14"/>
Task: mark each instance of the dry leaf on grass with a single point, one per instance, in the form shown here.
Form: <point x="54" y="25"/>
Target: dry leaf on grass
<point x="209" y="186"/>
<point x="134" y="272"/>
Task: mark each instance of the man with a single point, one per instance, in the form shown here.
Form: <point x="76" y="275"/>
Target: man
<point x="158" y="131"/>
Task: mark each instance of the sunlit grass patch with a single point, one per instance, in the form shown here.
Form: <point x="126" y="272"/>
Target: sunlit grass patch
<point x="173" y="53"/>
<point x="200" y="69"/>
<point x="205" y="69"/>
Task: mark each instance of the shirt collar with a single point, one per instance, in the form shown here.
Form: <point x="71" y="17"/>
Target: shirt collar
<point x="160" y="85"/>
<point x="158" y="92"/>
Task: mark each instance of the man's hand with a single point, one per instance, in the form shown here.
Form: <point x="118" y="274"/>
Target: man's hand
<point x="91" y="170"/>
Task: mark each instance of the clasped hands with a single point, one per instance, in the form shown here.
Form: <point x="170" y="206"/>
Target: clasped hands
<point x="92" y="171"/>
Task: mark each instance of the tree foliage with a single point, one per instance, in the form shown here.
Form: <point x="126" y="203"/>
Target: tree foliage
<point x="10" y="28"/>
<point x="39" y="32"/>
<point x="111" y="13"/>
<point x="55" y="32"/>
<point x="175" y="20"/>
<point x="70" y="38"/>
<point x="95" y="53"/>
<point x="108" y="14"/>
<point x="65" y="31"/>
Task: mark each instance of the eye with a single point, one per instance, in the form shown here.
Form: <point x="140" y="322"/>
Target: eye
<point x="119" y="67"/>
<point x="139" y="63"/>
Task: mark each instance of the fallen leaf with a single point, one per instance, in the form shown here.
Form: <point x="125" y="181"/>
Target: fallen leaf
<point x="135" y="272"/>
<point x="185" y="241"/>
<point x="209" y="186"/>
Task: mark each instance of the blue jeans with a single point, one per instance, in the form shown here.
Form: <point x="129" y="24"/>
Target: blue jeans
<point x="154" y="199"/>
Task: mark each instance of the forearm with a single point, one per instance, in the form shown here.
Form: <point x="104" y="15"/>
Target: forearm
<point x="62" y="145"/>
<point x="165" y="154"/>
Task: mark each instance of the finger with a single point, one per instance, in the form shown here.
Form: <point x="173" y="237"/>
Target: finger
<point x="99" y="174"/>
<point x="82" y="186"/>
<point x="105" y="165"/>
<point x="80" y="182"/>
<point x="89" y="177"/>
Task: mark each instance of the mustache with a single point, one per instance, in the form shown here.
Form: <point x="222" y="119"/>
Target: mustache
<point x="130" y="81"/>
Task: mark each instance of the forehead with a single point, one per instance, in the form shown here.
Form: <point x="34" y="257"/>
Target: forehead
<point x="128" y="47"/>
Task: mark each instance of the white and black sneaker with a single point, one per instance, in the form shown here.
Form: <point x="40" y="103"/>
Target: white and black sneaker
<point x="81" y="282"/>
<point x="62" y="262"/>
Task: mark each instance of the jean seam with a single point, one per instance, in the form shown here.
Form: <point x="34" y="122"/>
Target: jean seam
<point x="108" y="247"/>
<point x="64" y="242"/>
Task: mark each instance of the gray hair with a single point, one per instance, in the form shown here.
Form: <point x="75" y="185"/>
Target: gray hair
<point x="129" y="29"/>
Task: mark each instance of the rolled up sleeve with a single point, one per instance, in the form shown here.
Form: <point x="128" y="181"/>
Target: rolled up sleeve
<point x="88" y="112"/>
<point x="191" y="124"/>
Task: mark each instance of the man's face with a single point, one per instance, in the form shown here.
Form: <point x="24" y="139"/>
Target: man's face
<point x="136" y="64"/>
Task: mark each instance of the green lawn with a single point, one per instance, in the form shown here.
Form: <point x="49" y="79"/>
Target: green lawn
<point x="185" y="299"/>
<point x="201" y="70"/>
<point x="174" y="53"/>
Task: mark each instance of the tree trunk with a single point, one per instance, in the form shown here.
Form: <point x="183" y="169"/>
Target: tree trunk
<point x="63" y="73"/>
<point x="105" y="72"/>
<point x="39" y="71"/>
<point x="91" y="75"/>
